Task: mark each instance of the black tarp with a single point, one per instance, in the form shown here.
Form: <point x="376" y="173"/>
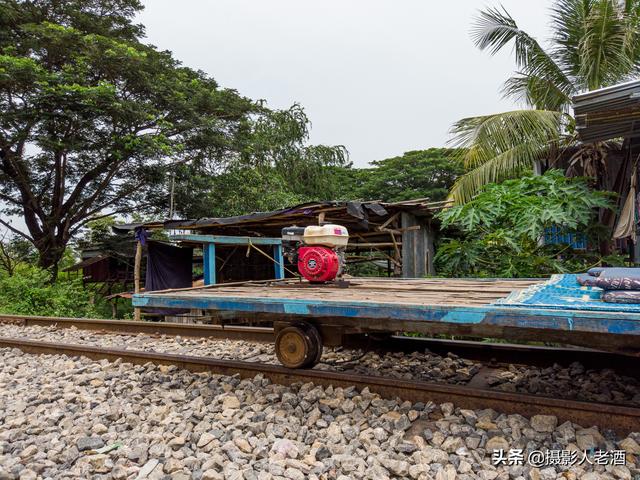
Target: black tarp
<point x="168" y="266"/>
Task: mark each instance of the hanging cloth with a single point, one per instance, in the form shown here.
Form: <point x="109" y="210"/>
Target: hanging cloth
<point x="168" y="266"/>
<point x="626" y="226"/>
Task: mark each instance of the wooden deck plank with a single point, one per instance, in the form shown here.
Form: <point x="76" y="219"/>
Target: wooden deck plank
<point x="411" y="292"/>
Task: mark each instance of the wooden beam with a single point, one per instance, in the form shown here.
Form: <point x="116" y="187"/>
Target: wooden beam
<point x="389" y="220"/>
<point x="136" y="278"/>
<point x="395" y="247"/>
<point x="374" y="245"/>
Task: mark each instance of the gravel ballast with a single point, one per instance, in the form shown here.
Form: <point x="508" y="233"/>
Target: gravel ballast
<point x="63" y="417"/>
<point x="571" y="381"/>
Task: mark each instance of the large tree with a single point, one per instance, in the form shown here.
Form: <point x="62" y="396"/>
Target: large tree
<point x="595" y="43"/>
<point x="426" y="173"/>
<point x="91" y="119"/>
<point x="281" y="170"/>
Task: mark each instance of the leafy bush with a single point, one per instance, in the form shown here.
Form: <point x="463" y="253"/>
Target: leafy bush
<point x="29" y="291"/>
<point x="502" y="227"/>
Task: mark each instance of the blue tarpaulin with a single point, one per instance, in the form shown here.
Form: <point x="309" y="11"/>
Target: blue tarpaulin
<point x="564" y="292"/>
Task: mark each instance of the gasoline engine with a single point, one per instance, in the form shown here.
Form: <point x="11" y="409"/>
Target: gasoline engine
<point x="318" y="250"/>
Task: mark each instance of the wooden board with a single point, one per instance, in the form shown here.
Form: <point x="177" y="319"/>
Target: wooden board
<point x="451" y="306"/>
<point x="393" y="291"/>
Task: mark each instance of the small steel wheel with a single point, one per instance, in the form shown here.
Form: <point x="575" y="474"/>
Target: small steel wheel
<point x="317" y="344"/>
<point x="295" y="347"/>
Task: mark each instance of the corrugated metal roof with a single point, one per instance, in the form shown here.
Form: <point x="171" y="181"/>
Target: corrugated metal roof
<point x="610" y="112"/>
<point x="86" y="262"/>
<point x="357" y="212"/>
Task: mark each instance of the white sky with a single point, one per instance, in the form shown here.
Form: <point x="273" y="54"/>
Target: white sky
<point x="380" y="77"/>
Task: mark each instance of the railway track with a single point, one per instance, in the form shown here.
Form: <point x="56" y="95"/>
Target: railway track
<point x="622" y="419"/>
<point x="251" y="334"/>
<point x="486" y="352"/>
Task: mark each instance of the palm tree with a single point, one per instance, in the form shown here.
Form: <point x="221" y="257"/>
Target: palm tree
<point x="595" y="43"/>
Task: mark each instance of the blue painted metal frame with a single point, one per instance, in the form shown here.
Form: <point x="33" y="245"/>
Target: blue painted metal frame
<point x="209" y="263"/>
<point x="279" y="258"/>
<point x="209" y="251"/>
<point x="227" y="239"/>
<point x="539" y="318"/>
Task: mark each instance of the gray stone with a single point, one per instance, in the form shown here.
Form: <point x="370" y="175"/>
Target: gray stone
<point x="396" y="467"/>
<point x="147" y="468"/>
<point x="591" y="476"/>
<point x="622" y="472"/>
<point x="447" y="473"/>
<point x="630" y="446"/>
<point x="230" y="402"/>
<point x="211" y="475"/>
<point x="89" y="443"/>
<point x="497" y="443"/>
<point x="447" y="409"/>
<point x="322" y="453"/>
<point x="544" y="423"/>
<point x="435" y="455"/>
<point x="294" y="474"/>
<point x="487" y="474"/>
<point x="548" y="473"/>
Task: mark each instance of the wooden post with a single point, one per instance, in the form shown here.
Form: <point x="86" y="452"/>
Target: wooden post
<point x="321" y="218"/>
<point x="417" y="247"/>
<point x="136" y="277"/>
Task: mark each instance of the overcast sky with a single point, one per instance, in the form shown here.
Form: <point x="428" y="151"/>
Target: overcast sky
<point x="380" y="77"/>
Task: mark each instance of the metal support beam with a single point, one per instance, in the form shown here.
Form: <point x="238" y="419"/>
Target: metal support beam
<point x="279" y="261"/>
<point x="227" y="239"/>
<point x="209" y="262"/>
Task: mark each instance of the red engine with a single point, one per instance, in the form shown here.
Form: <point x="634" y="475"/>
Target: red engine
<point x="319" y="250"/>
<point x="318" y="264"/>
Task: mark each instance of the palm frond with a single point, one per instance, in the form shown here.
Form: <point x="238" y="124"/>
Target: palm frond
<point x="603" y="48"/>
<point x="508" y="164"/>
<point x="632" y="28"/>
<point x="499" y="146"/>
<point x="484" y="137"/>
<point x="539" y="92"/>
<point x="568" y="21"/>
<point x="495" y="28"/>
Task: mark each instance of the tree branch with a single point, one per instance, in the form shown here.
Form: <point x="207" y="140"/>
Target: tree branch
<point x="15" y="230"/>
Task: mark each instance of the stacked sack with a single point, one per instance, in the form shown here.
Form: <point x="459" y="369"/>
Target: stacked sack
<point x="621" y="285"/>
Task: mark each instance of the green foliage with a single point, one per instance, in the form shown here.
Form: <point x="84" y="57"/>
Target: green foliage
<point x="242" y="189"/>
<point x="92" y="120"/>
<point x="13" y="251"/>
<point x="235" y="192"/>
<point x="100" y="230"/>
<point x="499" y="146"/>
<point x="416" y="174"/>
<point x="277" y="169"/>
<point x="29" y="292"/>
<point x="594" y="43"/>
<point x="502" y="226"/>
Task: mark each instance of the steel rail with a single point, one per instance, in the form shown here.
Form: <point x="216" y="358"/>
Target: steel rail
<point x="235" y="332"/>
<point x="621" y="419"/>
<point x="491" y="353"/>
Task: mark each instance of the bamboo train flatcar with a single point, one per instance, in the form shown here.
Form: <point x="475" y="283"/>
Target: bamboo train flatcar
<point x="307" y="315"/>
